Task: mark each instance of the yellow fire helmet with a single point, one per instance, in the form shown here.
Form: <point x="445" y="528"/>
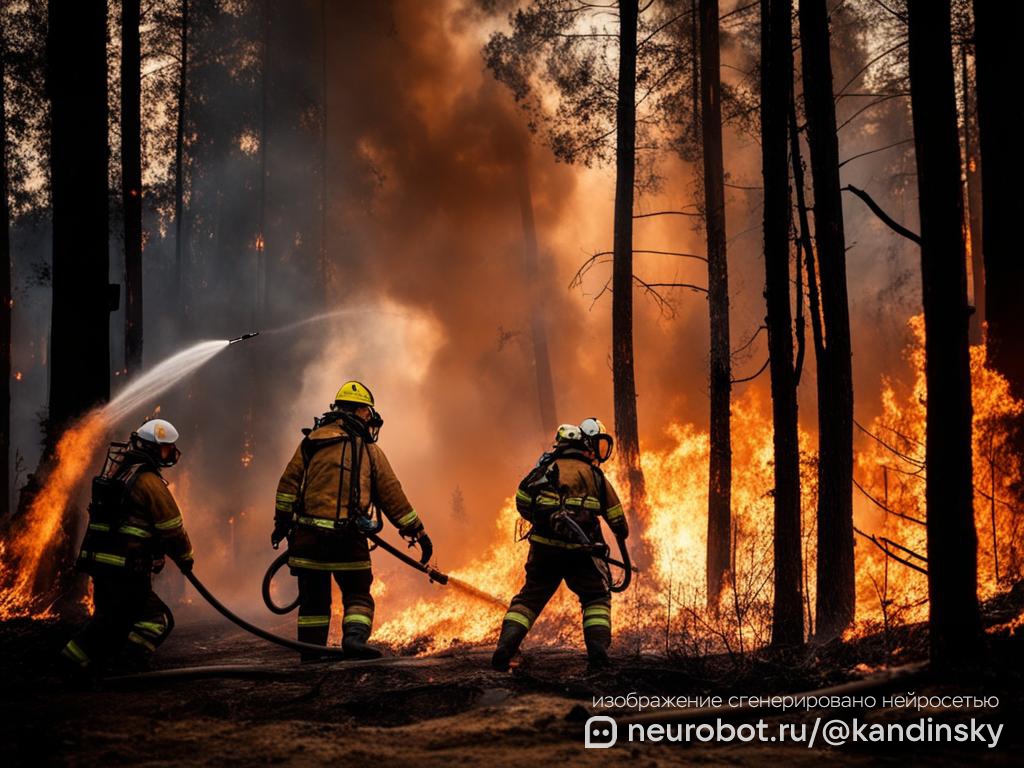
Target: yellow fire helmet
<point x="354" y="392"/>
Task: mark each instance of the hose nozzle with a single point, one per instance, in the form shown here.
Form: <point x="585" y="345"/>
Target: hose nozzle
<point x="243" y="337"/>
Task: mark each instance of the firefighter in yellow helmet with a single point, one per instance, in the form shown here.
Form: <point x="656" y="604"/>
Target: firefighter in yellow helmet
<point x="133" y="524"/>
<point x="563" y="498"/>
<point x="323" y="506"/>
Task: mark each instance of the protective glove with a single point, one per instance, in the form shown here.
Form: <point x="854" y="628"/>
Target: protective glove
<point x="281" y="531"/>
<point x="426" y="548"/>
<point x="186" y="566"/>
<point x="621" y="530"/>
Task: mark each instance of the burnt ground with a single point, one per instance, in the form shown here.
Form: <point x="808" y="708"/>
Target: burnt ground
<point x="267" y="708"/>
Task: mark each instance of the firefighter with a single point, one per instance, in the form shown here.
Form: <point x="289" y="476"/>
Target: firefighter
<point x="323" y="508"/>
<point x="563" y="498"/>
<point x="134" y="523"/>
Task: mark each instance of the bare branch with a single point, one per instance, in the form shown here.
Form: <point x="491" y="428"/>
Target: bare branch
<point x="886" y="218"/>
<point x="754" y="376"/>
<point x="873" y="151"/>
<point x="664" y="213"/>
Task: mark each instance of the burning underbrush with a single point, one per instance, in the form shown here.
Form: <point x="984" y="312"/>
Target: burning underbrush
<point x="666" y="609"/>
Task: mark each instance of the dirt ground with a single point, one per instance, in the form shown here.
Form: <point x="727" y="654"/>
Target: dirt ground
<point x="261" y="706"/>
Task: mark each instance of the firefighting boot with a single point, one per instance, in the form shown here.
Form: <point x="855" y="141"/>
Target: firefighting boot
<point x="512" y="634"/>
<point x="353" y="642"/>
<point x="597" y="635"/>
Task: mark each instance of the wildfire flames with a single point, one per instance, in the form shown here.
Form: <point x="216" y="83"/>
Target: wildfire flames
<point x="42" y="526"/>
<point x="666" y="608"/>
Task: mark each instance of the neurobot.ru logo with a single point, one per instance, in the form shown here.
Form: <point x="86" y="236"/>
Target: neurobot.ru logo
<point x="601" y="732"/>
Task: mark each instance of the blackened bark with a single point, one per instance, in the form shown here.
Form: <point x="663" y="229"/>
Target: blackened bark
<point x="5" y="300"/>
<point x="776" y="84"/>
<point x="80" y="329"/>
<point x="324" y="48"/>
<point x="624" y="381"/>
<point x="952" y="540"/>
<point x="720" y="464"/>
<point x="972" y="174"/>
<point x="179" y="163"/>
<point x="835" y="601"/>
<point x="131" y="182"/>
<point x="538" y="320"/>
<point x="1000" y="116"/>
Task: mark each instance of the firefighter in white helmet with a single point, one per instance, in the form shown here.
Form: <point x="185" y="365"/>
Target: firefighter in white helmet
<point x="563" y="498"/>
<point x="134" y="523"/>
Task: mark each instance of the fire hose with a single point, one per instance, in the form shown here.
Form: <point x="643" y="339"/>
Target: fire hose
<point x="600" y="550"/>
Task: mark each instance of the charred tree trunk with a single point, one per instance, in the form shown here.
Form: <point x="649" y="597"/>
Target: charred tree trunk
<point x="538" y="321"/>
<point x="179" y="163"/>
<point x="836" y="593"/>
<point x="1000" y="116"/>
<point x="80" y="329"/>
<point x="776" y="82"/>
<point x="324" y="48"/>
<point x="952" y="539"/>
<point x="623" y="376"/>
<point x="720" y="465"/>
<point x="131" y="182"/>
<point x="5" y="300"/>
<point x="972" y="173"/>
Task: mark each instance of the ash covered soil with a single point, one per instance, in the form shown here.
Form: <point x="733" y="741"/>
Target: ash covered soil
<point x="448" y="708"/>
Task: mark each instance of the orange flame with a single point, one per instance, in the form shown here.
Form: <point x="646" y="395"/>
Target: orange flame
<point x="42" y="524"/>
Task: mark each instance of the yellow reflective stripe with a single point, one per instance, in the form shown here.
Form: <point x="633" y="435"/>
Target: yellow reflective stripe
<point x="587" y="502"/>
<point x="131" y="530"/>
<point x="597" y="622"/>
<point x="103" y="557"/>
<point x="614" y="513"/>
<point x="554" y="542"/>
<point x="286" y="496"/>
<point x="166" y="525"/>
<point x="320" y="565"/>
<point x="597" y="610"/>
<point x="284" y="506"/>
<point x="523" y="496"/>
<point x="74" y="652"/>
<point x="314" y="621"/>
<point x="407" y="519"/>
<point x="591" y="503"/>
<point x="317" y="522"/>
<point x="151" y="626"/>
<point x="518" y="618"/>
<point x="99" y="527"/>
<point x="138" y="639"/>
<point x="357" y="618"/>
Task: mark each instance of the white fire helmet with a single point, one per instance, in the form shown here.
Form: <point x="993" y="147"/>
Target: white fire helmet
<point x="155" y="434"/>
<point x="598" y="440"/>
<point x="568" y="433"/>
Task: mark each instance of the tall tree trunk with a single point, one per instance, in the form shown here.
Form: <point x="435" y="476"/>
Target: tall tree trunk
<point x="623" y="376"/>
<point x="5" y="300"/>
<point x="259" y="303"/>
<point x="952" y="539"/>
<point x="972" y="172"/>
<point x="324" y="47"/>
<point x="836" y="592"/>
<point x="131" y="182"/>
<point x="1000" y="116"/>
<point x="538" y="320"/>
<point x="720" y="385"/>
<point x="776" y="83"/>
<point x="80" y="329"/>
<point x="179" y="161"/>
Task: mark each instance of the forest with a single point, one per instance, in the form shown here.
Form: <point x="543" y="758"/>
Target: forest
<point x="768" y="243"/>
